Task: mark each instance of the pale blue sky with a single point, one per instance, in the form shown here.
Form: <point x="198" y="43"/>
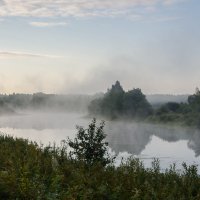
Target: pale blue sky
<point x="83" y="46"/>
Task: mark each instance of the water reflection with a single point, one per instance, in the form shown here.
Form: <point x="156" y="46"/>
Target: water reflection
<point x="133" y="137"/>
<point x="122" y="136"/>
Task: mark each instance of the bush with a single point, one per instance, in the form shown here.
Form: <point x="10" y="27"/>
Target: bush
<point x="29" y="171"/>
<point x="89" y="145"/>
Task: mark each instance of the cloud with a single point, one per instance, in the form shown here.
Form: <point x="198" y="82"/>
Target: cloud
<point x="166" y="19"/>
<point x="76" y="8"/>
<point x="170" y="2"/>
<point x="48" y="24"/>
<point x="13" y="54"/>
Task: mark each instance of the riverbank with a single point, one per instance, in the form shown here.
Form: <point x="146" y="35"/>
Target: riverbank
<point x="30" y="171"/>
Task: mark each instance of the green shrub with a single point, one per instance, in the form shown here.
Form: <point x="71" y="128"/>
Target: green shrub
<point x="30" y="171"/>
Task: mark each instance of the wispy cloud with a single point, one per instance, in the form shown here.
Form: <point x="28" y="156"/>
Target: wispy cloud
<point x="166" y="19"/>
<point x="76" y="8"/>
<point x="13" y="54"/>
<point x="170" y="2"/>
<point x="48" y="24"/>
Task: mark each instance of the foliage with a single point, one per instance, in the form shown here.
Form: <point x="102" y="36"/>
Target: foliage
<point x="118" y="103"/>
<point x="194" y="101"/>
<point x="182" y="113"/>
<point x="112" y="104"/>
<point x="29" y="171"/>
<point x="89" y="145"/>
<point x="135" y="104"/>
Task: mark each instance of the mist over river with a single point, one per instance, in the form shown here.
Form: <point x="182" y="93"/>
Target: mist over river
<point x="146" y="141"/>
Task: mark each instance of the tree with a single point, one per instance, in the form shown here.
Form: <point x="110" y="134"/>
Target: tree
<point x="112" y="103"/>
<point x="95" y="106"/>
<point x="135" y="104"/>
<point x="118" y="103"/>
<point x="195" y="98"/>
<point x="89" y="145"/>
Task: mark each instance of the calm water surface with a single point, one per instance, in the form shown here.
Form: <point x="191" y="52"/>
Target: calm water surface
<point x="146" y="141"/>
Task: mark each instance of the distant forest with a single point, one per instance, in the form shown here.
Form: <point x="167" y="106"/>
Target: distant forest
<point x="114" y="104"/>
<point x="133" y="104"/>
<point x="187" y="113"/>
<point x="44" y="102"/>
<point x="10" y="103"/>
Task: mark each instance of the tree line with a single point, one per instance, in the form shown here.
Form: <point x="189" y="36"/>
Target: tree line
<point x="182" y="113"/>
<point x="41" y="101"/>
<point x="133" y="104"/>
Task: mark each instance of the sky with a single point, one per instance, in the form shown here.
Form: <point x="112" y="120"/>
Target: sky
<point x="84" y="46"/>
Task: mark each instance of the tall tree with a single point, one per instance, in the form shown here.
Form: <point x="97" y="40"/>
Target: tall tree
<point x="112" y="104"/>
<point x="135" y="104"/>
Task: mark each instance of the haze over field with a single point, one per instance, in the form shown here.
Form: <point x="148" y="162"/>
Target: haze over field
<point x="83" y="46"/>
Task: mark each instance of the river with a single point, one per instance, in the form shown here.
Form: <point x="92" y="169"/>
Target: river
<point x="145" y="141"/>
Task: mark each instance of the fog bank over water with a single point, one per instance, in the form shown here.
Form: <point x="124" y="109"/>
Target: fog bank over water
<point x="23" y="103"/>
<point x="170" y="144"/>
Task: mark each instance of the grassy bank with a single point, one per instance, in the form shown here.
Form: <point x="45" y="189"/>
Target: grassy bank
<point x="30" y="171"/>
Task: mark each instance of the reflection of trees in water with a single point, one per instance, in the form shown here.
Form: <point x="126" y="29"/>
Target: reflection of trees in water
<point x="122" y="136"/>
<point x="169" y="134"/>
<point x="130" y="137"/>
<point x="173" y="134"/>
<point x="194" y="143"/>
<point x="133" y="137"/>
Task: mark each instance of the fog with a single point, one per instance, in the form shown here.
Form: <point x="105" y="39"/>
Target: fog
<point x="168" y="143"/>
<point x="22" y="103"/>
<point x="158" y="99"/>
<point x="51" y="118"/>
